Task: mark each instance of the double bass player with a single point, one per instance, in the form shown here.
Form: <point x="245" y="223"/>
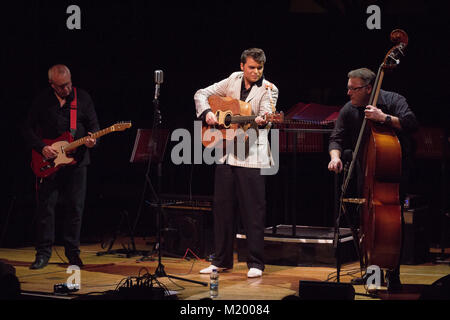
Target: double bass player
<point x="393" y="111"/>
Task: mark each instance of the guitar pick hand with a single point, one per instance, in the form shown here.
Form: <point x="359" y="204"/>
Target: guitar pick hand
<point x="49" y="153"/>
<point x="211" y="118"/>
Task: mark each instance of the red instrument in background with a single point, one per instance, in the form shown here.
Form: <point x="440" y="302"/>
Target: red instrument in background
<point x="64" y="144"/>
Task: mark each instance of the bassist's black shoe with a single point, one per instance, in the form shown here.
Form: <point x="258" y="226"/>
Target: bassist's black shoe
<point x="393" y="281"/>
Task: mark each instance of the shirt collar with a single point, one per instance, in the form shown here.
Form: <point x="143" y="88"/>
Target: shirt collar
<point x="69" y="98"/>
<point x="257" y="83"/>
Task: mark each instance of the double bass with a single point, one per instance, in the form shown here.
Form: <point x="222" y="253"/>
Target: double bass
<point x="380" y="233"/>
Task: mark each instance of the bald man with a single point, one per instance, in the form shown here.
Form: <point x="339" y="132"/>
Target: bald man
<point x="48" y="118"/>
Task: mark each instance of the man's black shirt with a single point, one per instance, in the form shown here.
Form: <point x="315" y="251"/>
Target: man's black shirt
<point x="348" y="124"/>
<point x="48" y="120"/>
<point x="246" y="92"/>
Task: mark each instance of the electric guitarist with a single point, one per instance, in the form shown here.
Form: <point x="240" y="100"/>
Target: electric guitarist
<point x="61" y="108"/>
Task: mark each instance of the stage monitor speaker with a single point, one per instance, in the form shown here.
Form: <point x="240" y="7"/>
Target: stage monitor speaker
<point x="9" y="283"/>
<point x="318" y="290"/>
<point x="439" y="290"/>
<point x="188" y="228"/>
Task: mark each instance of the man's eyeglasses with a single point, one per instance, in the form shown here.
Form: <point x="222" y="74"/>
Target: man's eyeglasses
<point x="357" y="88"/>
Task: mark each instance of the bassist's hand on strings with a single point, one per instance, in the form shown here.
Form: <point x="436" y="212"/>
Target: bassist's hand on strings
<point x="375" y="114"/>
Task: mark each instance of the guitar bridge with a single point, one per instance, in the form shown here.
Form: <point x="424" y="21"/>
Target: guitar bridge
<point x="49" y="166"/>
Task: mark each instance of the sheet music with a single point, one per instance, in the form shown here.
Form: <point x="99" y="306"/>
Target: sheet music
<point x="143" y="145"/>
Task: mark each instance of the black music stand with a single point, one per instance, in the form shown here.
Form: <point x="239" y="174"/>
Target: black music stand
<point x="143" y="146"/>
<point x="150" y="146"/>
<point x="146" y="149"/>
<point x="143" y="151"/>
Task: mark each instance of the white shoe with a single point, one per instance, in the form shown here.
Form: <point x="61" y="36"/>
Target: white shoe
<point x="254" y="273"/>
<point x="210" y="269"/>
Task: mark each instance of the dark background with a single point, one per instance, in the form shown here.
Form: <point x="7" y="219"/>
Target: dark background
<point x="310" y="47"/>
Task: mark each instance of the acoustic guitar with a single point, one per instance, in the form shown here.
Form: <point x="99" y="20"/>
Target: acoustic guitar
<point x="232" y="115"/>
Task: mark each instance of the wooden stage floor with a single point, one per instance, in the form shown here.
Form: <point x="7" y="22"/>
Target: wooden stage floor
<point x="107" y="272"/>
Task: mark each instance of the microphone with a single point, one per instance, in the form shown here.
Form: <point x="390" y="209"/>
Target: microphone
<point x="159" y="77"/>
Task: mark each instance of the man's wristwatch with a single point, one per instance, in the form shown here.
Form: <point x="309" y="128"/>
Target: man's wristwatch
<point x="387" y="120"/>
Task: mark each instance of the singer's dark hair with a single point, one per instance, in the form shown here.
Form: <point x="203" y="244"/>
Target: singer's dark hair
<point x="256" y="53"/>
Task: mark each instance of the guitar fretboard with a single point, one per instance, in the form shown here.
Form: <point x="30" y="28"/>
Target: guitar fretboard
<point x="75" y="144"/>
<point x="238" y="119"/>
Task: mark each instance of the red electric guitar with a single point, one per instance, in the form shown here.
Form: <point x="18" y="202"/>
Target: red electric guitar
<point x="43" y="167"/>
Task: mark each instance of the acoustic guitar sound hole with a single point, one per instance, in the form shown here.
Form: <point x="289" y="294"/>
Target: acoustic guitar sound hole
<point x="227" y="120"/>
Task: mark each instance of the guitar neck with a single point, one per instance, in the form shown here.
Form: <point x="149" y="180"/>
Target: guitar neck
<point x="75" y="144"/>
<point x="239" y="119"/>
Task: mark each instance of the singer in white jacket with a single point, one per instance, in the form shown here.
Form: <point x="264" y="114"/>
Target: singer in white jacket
<point x="239" y="186"/>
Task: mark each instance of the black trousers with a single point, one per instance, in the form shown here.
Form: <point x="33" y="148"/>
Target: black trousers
<point x="239" y="190"/>
<point x="68" y="186"/>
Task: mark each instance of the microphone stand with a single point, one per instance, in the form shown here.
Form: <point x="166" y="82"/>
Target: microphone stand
<point x="157" y="120"/>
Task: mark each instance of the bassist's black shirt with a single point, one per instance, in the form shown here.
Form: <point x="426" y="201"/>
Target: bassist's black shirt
<point x="348" y="125"/>
<point x="47" y="119"/>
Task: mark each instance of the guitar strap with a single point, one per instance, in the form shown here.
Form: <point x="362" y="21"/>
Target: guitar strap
<point x="73" y="129"/>
<point x="73" y="113"/>
<point x="269" y="87"/>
